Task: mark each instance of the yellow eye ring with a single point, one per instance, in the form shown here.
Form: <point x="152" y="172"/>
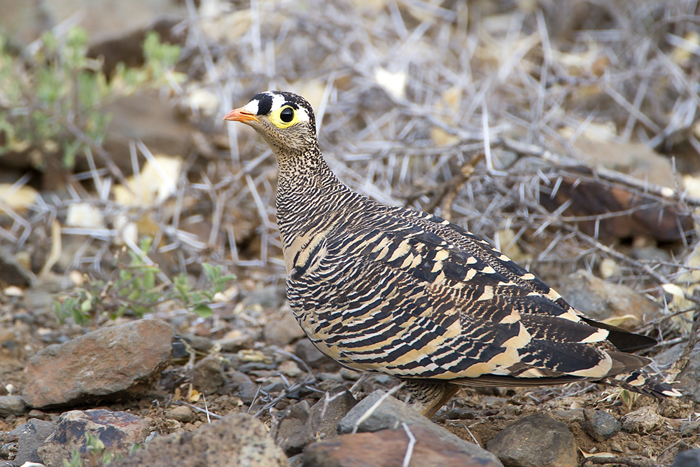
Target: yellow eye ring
<point x="284" y="117"/>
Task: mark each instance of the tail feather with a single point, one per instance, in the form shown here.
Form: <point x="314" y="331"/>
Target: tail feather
<point x="643" y="382"/>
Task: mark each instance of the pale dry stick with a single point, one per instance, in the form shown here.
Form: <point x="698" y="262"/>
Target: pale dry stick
<point x="397" y="20"/>
<point x="18" y="220"/>
<point x="409" y="448"/>
<point x="636" y="104"/>
<point x="144" y="257"/>
<point x="255" y="398"/>
<point x="328" y="399"/>
<point x="457" y="183"/>
<point x="693" y="339"/>
<point x="544" y="68"/>
<point x="262" y="211"/>
<point x="93" y="172"/>
<point x="256" y="40"/>
<point x="324" y="101"/>
<point x="199" y="409"/>
<point x="169" y="182"/>
<point x="660" y="278"/>
<point x="471" y="434"/>
<point x="638" y="462"/>
<point x="232" y="243"/>
<point x="581" y="128"/>
<point x="677" y="340"/>
<point x="282" y="395"/>
<point x="678" y="74"/>
<point x="368" y="413"/>
<point x="217" y="215"/>
<point x="630" y="108"/>
<point x="206" y="409"/>
<point x="106" y="157"/>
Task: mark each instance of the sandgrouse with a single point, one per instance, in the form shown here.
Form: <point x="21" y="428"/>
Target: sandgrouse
<point x="406" y="293"/>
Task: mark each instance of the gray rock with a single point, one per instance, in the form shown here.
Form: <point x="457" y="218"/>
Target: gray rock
<point x="199" y="343"/>
<point x="235" y="440"/>
<point x="313" y="357"/>
<point x="99" y="364"/>
<point x="535" y="440"/>
<point x="31" y="436"/>
<point x="651" y="253"/>
<point x="690" y="458"/>
<point x="208" y="374"/>
<point x="243" y="387"/>
<point x="299" y="424"/>
<point x="270" y="298"/>
<point x="602" y="300"/>
<point x="11" y="405"/>
<point x="388" y="415"/>
<point x="389" y="448"/>
<point x="283" y="329"/>
<point x="243" y="341"/>
<point x="601" y="425"/>
<point x="643" y="420"/>
<point x="117" y="430"/>
<point x="391" y="413"/>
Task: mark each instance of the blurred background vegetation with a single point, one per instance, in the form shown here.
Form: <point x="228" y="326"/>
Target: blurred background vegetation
<point x="113" y="155"/>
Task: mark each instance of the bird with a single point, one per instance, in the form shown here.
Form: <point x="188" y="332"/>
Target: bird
<point x="388" y="289"/>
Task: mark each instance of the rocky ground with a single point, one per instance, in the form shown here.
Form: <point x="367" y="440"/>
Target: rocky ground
<point x="591" y="179"/>
<point x="213" y="394"/>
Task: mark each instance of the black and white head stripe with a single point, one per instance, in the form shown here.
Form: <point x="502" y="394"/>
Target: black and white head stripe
<point x="263" y="103"/>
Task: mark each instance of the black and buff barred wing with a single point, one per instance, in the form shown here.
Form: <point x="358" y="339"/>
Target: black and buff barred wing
<point x="406" y="301"/>
<point x="541" y="298"/>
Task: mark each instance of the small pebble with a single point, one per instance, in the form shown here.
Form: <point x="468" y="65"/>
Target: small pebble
<point x="335" y="377"/>
<point x="633" y="445"/>
<point x="615" y="447"/>
<point x="289" y="368"/>
<point x="181" y="413"/>
<point x="350" y="375"/>
<point x="35" y="413"/>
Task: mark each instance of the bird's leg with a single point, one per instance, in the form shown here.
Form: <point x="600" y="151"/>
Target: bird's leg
<point x="427" y="397"/>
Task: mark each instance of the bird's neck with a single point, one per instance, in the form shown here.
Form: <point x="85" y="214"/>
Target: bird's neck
<point x="307" y="193"/>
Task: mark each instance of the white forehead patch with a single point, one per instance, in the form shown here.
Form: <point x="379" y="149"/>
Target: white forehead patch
<point x="252" y="107"/>
<point x="277" y="101"/>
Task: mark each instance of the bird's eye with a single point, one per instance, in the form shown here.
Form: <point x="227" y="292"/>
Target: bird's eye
<point x="287" y="114"/>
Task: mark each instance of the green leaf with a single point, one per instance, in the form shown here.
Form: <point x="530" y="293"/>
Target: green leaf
<point x="203" y="311"/>
<point x="86" y="305"/>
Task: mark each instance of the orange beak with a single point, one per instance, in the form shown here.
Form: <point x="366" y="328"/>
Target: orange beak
<point x="241" y="115"/>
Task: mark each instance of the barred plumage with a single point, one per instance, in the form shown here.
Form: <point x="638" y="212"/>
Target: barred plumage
<point x="403" y="292"/>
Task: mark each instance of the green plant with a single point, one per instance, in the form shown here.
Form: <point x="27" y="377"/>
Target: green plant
<point x="198" y="301"/>
<point x="628" y="398"/>
<point x="53" y="101"/>
<point x="95" y="449"/>
<point x="136" y="286"/>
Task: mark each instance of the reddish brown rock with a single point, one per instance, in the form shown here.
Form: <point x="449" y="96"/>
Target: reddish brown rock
<point x="388" y="448"/>
<point x="99" y="365"/>
<point x="118" y="431"/>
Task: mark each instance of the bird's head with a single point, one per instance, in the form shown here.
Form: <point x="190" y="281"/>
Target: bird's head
<point x="285" y="120"/>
